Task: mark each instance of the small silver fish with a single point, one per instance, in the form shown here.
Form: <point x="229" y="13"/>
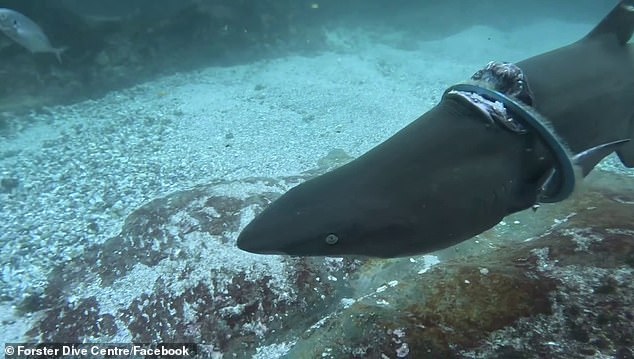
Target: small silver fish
<point x="26" y="32"/>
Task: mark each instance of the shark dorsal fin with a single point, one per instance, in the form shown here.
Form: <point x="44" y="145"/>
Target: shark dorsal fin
<point x="619" y="22"/>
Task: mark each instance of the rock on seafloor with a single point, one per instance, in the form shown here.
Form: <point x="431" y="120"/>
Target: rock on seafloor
<point x="566" y="293"/>
<point x="173" y="274"/>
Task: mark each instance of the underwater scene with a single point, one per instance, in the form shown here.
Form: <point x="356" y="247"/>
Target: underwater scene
<point x="316" y="179"/>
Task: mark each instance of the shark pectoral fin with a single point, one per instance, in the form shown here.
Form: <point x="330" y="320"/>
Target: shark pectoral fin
<point x="589" y="158"/>
<point x="585" y="161"/>
<point x="626" y="152"/>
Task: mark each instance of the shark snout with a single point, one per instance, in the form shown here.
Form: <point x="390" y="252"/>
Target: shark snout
<point x="300" y="224"/>
<point x="257" y="238"/>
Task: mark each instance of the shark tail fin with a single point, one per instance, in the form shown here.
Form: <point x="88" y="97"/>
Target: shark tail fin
<point x="619" y="22"/>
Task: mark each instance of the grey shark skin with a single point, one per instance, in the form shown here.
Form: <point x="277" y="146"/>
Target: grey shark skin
<point x="449" y="176"/>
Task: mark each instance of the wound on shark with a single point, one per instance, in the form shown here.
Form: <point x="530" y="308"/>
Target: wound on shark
<point x="513" y="136"/>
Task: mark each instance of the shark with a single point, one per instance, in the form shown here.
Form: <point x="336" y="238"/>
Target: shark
<point x="512" y="137"/>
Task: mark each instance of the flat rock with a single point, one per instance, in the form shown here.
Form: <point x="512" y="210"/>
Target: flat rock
<point x="173" y="274"/>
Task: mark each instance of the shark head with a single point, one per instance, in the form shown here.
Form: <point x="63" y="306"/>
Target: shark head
<point x="419" y="191"/>
<point x="451" y="174"/>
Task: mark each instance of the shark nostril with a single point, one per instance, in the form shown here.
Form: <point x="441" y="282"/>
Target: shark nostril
<point x="332" y="239"/>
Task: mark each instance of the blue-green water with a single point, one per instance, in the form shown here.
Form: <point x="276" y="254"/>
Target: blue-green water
<point x="128" y="170"/>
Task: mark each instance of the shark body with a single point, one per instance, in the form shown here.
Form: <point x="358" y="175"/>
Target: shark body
<point x="419" y="191"/>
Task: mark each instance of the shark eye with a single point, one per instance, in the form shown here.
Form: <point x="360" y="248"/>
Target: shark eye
<point x="332" y="239"/>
